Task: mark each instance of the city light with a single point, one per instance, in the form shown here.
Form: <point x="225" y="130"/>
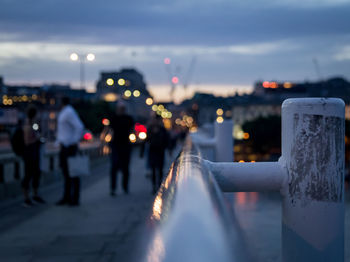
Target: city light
<point x="132" y="138"/>
<point x="108" y="138"/>
<point x="154" y="107"/>
<point x="175" y="80"/>
<point x="164" y="114"/>
<point x="167" y="61"/>
<point x="266" y="84"/>
<point x="136" y="93"/>
<point x="149" y="101"/>
<point x="142" y="135"/>
<point x="273" y="85"/>
<point x="246" y="136"/>
<point x="193" y="129"/>
<point x="87" y="136"/>
<point x="105" y="122"/>
<point x="127" y="93"/>
<point x="82" y="58"/>
<point x="219" y="119"/>
<point x="35" y="126"/>
<point x="219" y="112"/>
<point x="74" y="57"/>
<point x="90" y="57"/>
<point x="160" y="107"/>
<point x="121" y="81"/>
<point x="110" y="97"/>
<point x="287" y="85"/>
<point x="110" y="81"/>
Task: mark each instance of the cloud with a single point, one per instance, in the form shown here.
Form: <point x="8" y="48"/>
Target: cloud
<point x="343" y="53"/>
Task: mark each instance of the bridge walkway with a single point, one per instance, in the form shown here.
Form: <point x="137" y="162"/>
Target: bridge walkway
<point x="102" y="228"/>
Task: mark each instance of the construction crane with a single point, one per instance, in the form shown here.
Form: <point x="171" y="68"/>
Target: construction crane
<point x="175" y="75"/>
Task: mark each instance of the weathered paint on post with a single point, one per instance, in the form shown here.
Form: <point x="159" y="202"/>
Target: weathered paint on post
<point x="224" y="141"/>
<point x="313" y="193"/>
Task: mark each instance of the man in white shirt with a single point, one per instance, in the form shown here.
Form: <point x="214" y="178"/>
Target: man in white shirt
<point x="69" y="132"/>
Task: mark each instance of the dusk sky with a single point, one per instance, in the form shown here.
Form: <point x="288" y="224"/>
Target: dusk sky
<point x="231" y="44"/>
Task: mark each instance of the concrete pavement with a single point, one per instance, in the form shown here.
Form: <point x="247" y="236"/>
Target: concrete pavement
<point x="102" y="228"/>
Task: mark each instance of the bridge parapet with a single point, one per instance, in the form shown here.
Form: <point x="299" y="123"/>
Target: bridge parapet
<point x="12" y="168"/>
<point x="189" y="214"/>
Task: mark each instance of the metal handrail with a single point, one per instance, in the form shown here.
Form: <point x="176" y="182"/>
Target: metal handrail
<point x="190" y="221"/>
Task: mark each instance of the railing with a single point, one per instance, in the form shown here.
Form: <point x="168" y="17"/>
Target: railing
<point x="190" y="221"/>
<point x="12" y="168"/>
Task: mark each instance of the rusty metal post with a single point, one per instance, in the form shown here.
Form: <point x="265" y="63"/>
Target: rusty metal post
<point x="313" y="192"/>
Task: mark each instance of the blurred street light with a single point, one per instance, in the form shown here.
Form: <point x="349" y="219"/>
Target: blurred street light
<point x="149" y="101"/>
<point x="136" y="93"/>
<point x="82" y="58"/>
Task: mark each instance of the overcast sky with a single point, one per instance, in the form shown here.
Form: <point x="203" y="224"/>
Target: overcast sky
<point x="230" y="44"/>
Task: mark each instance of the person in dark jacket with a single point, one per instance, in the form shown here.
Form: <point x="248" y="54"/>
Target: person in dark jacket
<point x="158" y="140"/>
<point x="31" y="157"/>
<point x="122" y="125"/>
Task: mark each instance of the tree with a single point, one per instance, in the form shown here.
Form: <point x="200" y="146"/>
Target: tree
<point x="264" y="134"/>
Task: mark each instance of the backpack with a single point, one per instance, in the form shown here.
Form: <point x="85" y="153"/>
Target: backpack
<point x="17" y="141"/>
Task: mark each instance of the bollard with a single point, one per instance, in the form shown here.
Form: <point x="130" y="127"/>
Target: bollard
<point x="313" y="192"/>
<point x="224" y="141"/>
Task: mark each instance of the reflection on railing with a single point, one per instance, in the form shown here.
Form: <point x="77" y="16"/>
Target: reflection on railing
<point x="246" y="198"/>
<point x="157" y="250"/>
<point x="190" y="220"/>
<point x="157" y="207"/>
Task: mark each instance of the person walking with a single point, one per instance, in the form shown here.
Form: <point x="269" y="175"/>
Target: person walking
<point x="69" y="132"/>
<point x="31" y="158"/>
<point x="122" y="125"/>
<point x="158" y="139"/>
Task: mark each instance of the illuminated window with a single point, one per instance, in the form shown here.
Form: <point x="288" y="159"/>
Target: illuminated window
<point x="219" y="112"/>
<point x="149" y="101"/>
<point x="110" y="81"/>
<point x="136" y="93"/>
<point x="121" y="81"/>
<point x="127" y="93"/>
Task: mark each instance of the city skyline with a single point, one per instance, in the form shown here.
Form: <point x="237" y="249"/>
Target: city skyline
<point x="233" y="43"/>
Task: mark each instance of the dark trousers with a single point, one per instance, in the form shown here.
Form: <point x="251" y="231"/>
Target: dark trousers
<point x="120" y="160"/>
<point x="31" y="158"/>
<point x="156" y="161"/>
<point x="71" y="191"/>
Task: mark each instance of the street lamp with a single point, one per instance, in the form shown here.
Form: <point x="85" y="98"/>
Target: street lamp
<point x="82" y="58"/>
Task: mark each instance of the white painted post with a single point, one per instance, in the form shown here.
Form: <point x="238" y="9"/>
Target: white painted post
<point x="224" y="141"/>
<point x="313" y="193"/>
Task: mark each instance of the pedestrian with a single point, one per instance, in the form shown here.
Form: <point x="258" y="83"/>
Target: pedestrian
<point x="158" y="140"/>
<point x="122" y="125"/>
<point x="69" y="133"/>
<point x="31" y="157"/>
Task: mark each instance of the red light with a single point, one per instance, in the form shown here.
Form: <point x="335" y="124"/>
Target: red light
<point x="87" y="136"/>
<point x="167" y="61"/>
<point x="266" y="84"/>
<point x="175" y="80"/>
<point x="105" y="122"/>
<point x="273" y="85"/>
<point x="140" y="128"/>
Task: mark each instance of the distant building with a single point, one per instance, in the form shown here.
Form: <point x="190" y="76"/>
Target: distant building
<point x="47" y="98"/>
<point x="127" y="84"/>
<point x="279" y="91"/>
